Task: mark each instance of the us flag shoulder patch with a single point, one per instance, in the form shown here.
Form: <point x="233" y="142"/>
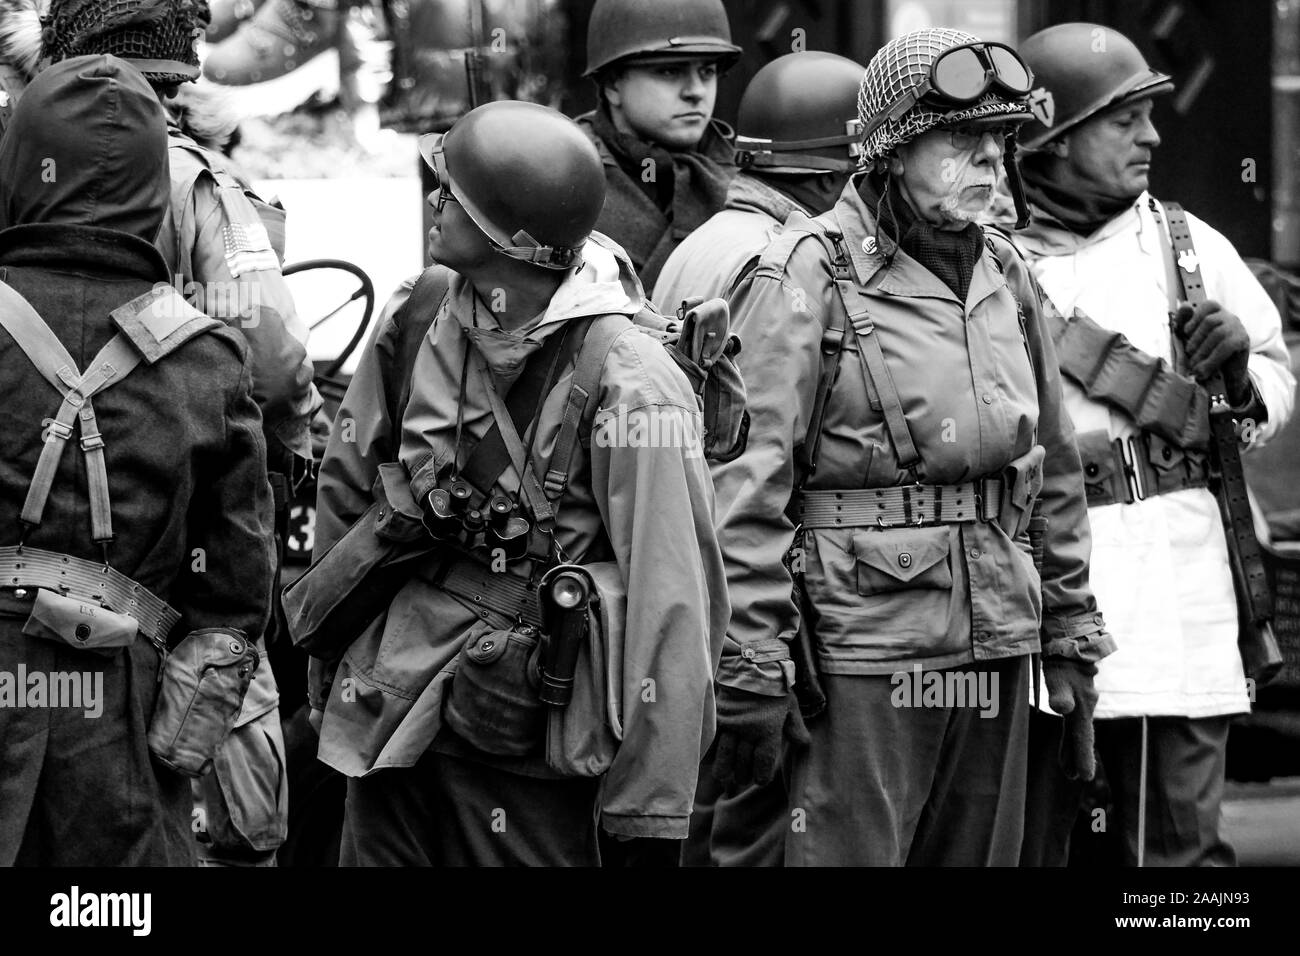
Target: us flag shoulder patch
<point x="248" y="248"/>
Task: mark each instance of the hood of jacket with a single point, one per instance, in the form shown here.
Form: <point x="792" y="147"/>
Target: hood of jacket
<point x="1048" y="236"/>
<point x="87" y="146"/>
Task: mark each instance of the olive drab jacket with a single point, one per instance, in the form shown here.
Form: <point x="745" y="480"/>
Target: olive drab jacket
<point x="223" y="261"/>
<point x="710" y="260"/>
<point x="648" y="508"/>
<point x="977" y="394"/>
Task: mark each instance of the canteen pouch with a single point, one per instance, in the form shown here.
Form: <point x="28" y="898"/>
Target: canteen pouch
<point x="79" y="623"/>
<point x="203" y="684"/>
<point x="247" y="794"/>
<point x="705" y="351"/>
<point x="1022" y="481"/>
<point x="493" y="703"/>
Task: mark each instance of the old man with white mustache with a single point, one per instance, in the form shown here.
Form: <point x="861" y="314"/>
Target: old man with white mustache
<point x="907" y="434"/>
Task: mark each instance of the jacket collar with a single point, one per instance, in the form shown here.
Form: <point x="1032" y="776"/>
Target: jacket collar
<point x="81" y="249"/>
<point x="1047" y="236"/>
<point x="901" y="275"/>
<point x="750" y="194"/>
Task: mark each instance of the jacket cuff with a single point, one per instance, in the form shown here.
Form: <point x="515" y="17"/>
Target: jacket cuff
<point x="1080" y="637"/>
<point x="668" y="828"/>
<point x="760" y="667"/>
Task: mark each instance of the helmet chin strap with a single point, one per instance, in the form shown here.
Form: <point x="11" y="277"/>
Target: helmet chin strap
<point x="1015" y="184"/>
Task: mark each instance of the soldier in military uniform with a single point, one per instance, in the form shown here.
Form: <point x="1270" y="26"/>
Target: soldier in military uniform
<point x="667" y="162"/>
<point x="1102" y="248"/>
<point x="906" y="417"/>
<point x="214" y="238"/>
<point x="798" y="143"/>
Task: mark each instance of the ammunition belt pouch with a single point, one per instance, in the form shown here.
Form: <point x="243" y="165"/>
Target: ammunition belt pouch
<point x="90" y="581"/>
<point x="511" y="597"/>
<point x="1125" y="470"/>
<point x="1113" y="371"/>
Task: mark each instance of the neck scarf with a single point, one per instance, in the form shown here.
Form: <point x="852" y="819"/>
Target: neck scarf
<point x="1080" y="209"/>
<point x="950" y="255"/>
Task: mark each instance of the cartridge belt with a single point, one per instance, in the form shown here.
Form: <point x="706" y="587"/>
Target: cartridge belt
<point x="902" y="506"/>
<point x="27" y="567"/>
<point x="508" y="595"/>
<point x="1126" y="470"/>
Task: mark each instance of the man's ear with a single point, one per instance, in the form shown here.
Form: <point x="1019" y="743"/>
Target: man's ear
<point x="893" y="163"/>
<point x="610" y="87"/>
<point x="1060" y="148"/>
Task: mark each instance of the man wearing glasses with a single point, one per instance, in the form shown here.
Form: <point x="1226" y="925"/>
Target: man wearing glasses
<point x="667" y="162"/>
<point x="906" y="429"/>
<point x="434" y="710"/>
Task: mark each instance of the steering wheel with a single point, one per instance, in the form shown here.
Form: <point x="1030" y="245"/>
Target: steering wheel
<point x="365" y="290"/>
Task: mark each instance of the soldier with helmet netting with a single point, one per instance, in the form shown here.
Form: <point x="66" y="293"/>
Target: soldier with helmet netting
<point x="907" y="455"/>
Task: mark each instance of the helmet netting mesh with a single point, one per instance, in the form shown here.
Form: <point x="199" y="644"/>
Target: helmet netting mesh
<point x="901" y="65"/>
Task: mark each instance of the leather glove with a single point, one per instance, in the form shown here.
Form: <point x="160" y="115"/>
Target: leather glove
<point x="1215" y="340"/>
<point x="1072" y="693"/>
<point x="751" y="729"/>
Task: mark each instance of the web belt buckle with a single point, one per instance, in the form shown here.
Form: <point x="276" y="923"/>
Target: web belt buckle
<point x="988" y="498"/>
<point x="1134" y="478"/>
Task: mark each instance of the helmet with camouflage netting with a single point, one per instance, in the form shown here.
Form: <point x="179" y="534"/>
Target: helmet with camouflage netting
<point x="158" y="37"/>
<point x="899" y="68"/>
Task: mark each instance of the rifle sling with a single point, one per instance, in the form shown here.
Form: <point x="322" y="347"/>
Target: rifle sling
<point x="1228" y="479"/>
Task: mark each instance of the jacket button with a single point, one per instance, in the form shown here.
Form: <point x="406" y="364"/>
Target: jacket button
<point x="747" y="653"/>
<point x="82" y="632"/>
<point x="1167" y="452"/>
<point x="869" y="245"/>
<point x="1091" y="469"/>
<point x="981" y="636"/>
<point x="905" y="560"/>
<point x="487" y="646"/>
<point x="974" y="554"/>
<point x="986" y="398"/>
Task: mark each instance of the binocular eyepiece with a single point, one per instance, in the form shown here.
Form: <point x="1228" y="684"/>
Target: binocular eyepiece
<point x="449" y="515"/>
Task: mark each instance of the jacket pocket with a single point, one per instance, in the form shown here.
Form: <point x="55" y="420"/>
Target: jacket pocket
<point x="887" y="595"/>
<point x="902" y="560"/>
<point x="494" y="701"/>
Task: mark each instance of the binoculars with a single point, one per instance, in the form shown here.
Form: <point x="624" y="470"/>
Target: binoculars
<point x="450" y="516"/>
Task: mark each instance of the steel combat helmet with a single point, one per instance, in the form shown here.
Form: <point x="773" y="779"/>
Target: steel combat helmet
<point x="1081" y="70"/>
<point x="624" y="30"/>
<point x="938" y="77"/>
<point x="527" y="175"/>
<point x="799" y="114"/>
<point x="157" y="37"/>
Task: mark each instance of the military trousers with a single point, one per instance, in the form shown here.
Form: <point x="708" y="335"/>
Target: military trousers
<point x="451" y="810"/>
<point x="746" y="828"/>
<point x="1185" y="773"/>
<point x="898" y="776"/>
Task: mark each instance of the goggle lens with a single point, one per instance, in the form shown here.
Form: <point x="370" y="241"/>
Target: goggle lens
<point x="1010" y="69"/>
<point x="960" y="74"/>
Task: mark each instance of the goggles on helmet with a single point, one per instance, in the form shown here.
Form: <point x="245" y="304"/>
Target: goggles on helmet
<point x="961" y="75"/>
<point x="524" y="248"/>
